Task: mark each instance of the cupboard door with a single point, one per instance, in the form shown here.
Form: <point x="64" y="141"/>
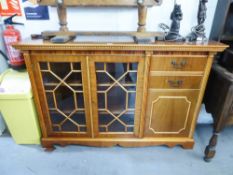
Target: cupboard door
<point x="62" y="94"/>
<point x="170" y="113"/>
<point x="117" y="87"/>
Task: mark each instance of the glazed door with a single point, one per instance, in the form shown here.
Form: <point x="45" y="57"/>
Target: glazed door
<point x="170" y="114"/>
<point x="116" y="84"/>
<point x="62" y="91"/>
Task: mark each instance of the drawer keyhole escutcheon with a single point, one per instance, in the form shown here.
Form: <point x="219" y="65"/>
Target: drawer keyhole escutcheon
<point x="179" y="65"/>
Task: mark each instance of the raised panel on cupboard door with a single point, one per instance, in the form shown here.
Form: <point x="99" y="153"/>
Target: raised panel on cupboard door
<point x="63" y="94"/>
<point x="175" y="82"/>
<point x="170" y="113"/>
<point x="174" y="63"/>
<point x="116" y="83"/>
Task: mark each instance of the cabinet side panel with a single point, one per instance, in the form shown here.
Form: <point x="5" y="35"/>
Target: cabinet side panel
<point x="202" y="91"/>
<point x="32" y="74"/>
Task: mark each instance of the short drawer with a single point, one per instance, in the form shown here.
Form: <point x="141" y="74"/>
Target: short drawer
<point x="175" y="82"/>
<point x="178" y="64"/>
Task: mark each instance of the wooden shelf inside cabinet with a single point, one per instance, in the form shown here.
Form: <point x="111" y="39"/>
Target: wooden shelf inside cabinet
<point x="109" y="100"/>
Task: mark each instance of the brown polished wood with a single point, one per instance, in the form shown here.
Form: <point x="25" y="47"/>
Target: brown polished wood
<point x="189" y="63"/>
<point x="62" y="15"/>
<point x="100" y="2"/>
<point x="170" y="113"/>
<point x="219" y="102"/>
<point x="127" y="97"/>
<point x="141" y="36"/>
<point x="175" y="82"/>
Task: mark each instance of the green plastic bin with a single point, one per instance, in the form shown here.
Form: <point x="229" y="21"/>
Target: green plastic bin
<point x="17" y="107"/>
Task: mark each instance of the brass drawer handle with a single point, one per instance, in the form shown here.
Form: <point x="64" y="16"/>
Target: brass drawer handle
<point x="175" y="83"/>
<point x="177" y="65"/>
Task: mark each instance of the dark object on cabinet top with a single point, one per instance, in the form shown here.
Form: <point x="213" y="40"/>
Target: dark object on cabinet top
<point x="176" y="17"/>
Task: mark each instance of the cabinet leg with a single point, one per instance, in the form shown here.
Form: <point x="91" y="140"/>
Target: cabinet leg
<point x="48" y="147"/>
<point x="210" y="149"/>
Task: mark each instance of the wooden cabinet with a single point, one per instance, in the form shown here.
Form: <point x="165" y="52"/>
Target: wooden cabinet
<point x="119" y="94"/>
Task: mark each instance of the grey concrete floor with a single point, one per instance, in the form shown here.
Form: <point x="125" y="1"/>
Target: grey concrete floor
<point x="80" y="160"/>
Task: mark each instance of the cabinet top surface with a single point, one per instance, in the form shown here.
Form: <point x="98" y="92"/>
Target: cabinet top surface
<point x="210" y="46"/>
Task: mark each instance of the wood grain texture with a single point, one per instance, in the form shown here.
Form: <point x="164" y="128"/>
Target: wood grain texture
<point x="175" y="82"/>
<point x="116" y="59"/>
<point x="202" y="91"/>
<point x="182" y="63"/>
<point x="129" y="142"/>
<point x="145" y="93"/>
<point x="100" y="2"/>
<point x="157" y="46"/>
<point x="170" y="111"/>
<point x="30" y="69"/>
<point x="43" y="99"/>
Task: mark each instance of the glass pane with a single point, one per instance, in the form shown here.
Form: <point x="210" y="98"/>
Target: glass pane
<point x="99" y="66"/>
<point x="74" y="78"/>
<point x="101" y="100"/>
<point x="83" y="129"/>
<point x="44" y="66"/>
<point x="56" y="117"/>
<point x="69" y="126"/>
<point x="60" y="69"/>
<point x="49" y="78"/>
<point x="131" y="101"/>
<point x="127" y="118"/>
<point x="116" y="70"/>
<point x="49" y="96"/>
<point x="79" y="118"/>
<point x="76" y="66"/>
<point x="105" y="118"/>
<point x="116" y="126"/>
<point x="103" y="78"/>
<point x="65" y="100"/>
<point x="80" y="101"/>
<point x="116" y="98"/>
<point x="133" y="66"/>
<point x="49" y="87"/>
<point x="129" y="78"/>
<point x="116" y="92"/>
<point x="56" y="128"/>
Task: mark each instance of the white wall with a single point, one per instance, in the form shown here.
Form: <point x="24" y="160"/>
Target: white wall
<point x="123" y="19"/>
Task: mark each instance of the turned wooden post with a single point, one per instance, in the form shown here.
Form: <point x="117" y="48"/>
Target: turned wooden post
<point x="62" y="15"/>
<point x="210" y="150"/>
<point x="142" y="15"/>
